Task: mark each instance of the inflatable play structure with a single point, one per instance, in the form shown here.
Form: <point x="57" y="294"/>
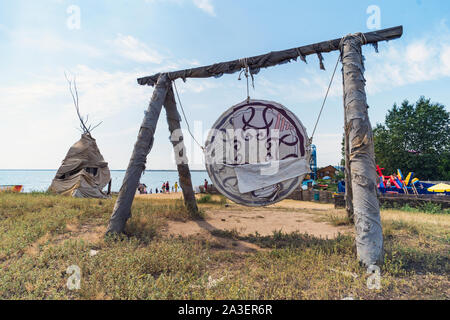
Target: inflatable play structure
<point x="409" y="184"/>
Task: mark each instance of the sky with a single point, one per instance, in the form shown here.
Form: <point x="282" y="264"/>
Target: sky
<point x="107" y="45"/>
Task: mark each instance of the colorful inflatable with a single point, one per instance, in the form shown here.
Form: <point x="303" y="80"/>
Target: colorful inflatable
<point x="396" y="183"/>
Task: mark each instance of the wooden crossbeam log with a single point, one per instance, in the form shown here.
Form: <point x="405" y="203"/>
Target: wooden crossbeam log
<point x="273" y="58"/>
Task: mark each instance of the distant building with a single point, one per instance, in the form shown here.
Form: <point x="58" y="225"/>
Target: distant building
<point x="329" y="171"/>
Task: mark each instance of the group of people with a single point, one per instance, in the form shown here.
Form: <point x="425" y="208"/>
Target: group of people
<point x="165" y="188"/>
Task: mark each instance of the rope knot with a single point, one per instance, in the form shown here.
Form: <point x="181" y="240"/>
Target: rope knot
<point x="246" y="71"/>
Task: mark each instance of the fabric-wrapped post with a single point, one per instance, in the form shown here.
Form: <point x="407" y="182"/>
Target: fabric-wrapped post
<point x="348" y="176"/>
<point x="176" y="137"/>
<point x="144" y="143"/>
<point x="369" y="237"/>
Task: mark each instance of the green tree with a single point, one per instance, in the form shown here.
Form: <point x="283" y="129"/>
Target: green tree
<point x="415" y="137"/>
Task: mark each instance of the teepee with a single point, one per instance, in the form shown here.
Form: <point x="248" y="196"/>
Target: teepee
<point x="83" y="172"/>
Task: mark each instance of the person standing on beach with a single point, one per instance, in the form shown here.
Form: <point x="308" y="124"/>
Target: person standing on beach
<point x="176" y="186"/>
<point x="167" y="187"/>
<point x="206" y="185"/>
<point x="163" y="188"/>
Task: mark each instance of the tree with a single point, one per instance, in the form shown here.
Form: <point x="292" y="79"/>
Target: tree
<point x="415" y="138"/>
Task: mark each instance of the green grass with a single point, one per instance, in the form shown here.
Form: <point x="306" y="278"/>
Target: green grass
<point x="42" y="235"/>
<point x="338" y="220"/>
<point x="427" y="207"/>
<point x="217" y="199"/>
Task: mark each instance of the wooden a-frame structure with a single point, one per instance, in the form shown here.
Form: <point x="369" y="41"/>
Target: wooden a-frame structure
<point x="361" y="184"/>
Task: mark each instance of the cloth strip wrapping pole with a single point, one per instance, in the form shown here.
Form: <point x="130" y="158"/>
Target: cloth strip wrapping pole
<point x="256" y="176"/>
<point x="347" y="171"/>
<point x="144" y="143"/>
<point x="176" y="137"/>
<point x="369" y="237"/>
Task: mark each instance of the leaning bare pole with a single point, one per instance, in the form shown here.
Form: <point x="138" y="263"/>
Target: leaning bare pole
<point x="144" y="143"/>
<point x="360" y="153"/>
<point x="176" y="137"/>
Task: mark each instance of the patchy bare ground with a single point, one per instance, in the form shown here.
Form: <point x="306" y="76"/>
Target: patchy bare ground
<point x="264" y="221"/>
<point x="287" y="216"/>
<point x="289" y="250"/>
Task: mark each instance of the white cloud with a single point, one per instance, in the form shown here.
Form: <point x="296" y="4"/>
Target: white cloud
<point x="131" y="48"/>
<point x="399" y="64"/>
<point x="42" y="121"/>
<point x="311" y="86"/>
<point x="197" y="85"/>
<point x="445" y="58"/>
<point x="206" y="6"/>
<point x="50" y="42"/>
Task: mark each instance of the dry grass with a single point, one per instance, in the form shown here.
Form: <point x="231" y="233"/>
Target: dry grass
<point x="41" y="235"/>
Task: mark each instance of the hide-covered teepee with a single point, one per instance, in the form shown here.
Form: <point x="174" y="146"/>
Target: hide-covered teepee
<point x="83" y="172"/>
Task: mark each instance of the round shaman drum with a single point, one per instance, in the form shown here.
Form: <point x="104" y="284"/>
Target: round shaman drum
<point x="257" y="153"/>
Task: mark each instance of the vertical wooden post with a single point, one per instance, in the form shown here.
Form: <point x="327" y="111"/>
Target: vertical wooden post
<point x="348" y="175"/>
<point x="361" y="156"/>
<point x="144" y="143"/>
<point x="176" y="137"/>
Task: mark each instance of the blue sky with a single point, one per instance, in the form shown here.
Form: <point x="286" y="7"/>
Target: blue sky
<point x="119" y="41"/>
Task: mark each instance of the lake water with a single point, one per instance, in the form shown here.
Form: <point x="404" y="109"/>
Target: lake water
<point x="40" y="180"/>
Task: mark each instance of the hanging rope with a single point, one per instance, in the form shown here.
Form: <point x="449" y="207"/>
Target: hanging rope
<point x="185" y="119"/>
<point x="246" y="72"/>
<point x="325" y="99"/>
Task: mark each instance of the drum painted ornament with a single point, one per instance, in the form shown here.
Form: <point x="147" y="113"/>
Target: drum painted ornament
<point x="257" y="153"/>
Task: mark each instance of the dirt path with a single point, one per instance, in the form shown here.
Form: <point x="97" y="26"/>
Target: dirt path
<point x="263" y="221"/>
<point x="287" y="216"/>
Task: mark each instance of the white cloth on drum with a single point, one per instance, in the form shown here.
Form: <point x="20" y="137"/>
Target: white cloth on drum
<point x="256" y="176"/>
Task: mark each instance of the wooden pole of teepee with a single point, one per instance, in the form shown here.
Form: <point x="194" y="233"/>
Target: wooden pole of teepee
<point x="361" y="156"/>
<point x="176" y="137"/>
<point x="136" y="166"/>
